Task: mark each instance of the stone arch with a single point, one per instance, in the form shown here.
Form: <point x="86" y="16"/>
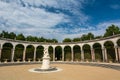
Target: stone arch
<point x="18" y="55"/>
<point x="118" y="42"/>
<point x="98" y="51"/>
<point x="67" y="53"/>
<point x="77" y="52"/>
<point x="50" y="50"/>
<point x="39" y="52"/>
<point x="29" y="53"/>
<point x="87" y="52"/>
<point x="6" y="53"/>
<point x="58" y="53"/>
<point x="110" y="50"/>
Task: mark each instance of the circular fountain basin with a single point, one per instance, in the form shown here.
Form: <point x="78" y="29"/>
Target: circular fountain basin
<point x="49" y="70"/>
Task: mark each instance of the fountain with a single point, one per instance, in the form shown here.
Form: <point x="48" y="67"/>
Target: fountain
<point x="45" y="68"/>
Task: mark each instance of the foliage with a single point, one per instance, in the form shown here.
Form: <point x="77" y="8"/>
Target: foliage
<point x="12" y="35"/>
<point x="20" y="37"/>
<point x="112" y="30"/>
<point x="67" y="40"/>
<point x="76" y="39"/>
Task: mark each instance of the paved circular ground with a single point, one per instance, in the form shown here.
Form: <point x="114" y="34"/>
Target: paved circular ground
<point x="69" y="72"/>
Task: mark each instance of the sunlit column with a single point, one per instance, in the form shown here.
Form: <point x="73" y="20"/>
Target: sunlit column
<point x="92" y="55"/>
<point x="34" y="59"/>
<point x="72" y="55"/>
<point x="106" y="55"/>
<point x="24" y="54"/>
<point x="53" y="54"/>
<point x="12" y="55"/>
<point x="119" y="53"/>
<point x="0" y="53"/>
<point x="116" y="53"/>
<point x="103" y="54"/>
<point x="82" y="55"/>
<point x="63" y="54"/>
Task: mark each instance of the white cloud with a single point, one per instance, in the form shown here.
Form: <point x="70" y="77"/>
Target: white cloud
<point x="29" y="18"/>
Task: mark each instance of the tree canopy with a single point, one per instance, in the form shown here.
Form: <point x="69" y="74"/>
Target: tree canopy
<point x="111" y="30"/>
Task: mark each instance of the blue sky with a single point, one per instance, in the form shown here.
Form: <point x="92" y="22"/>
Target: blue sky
<point x="58" y="19"/>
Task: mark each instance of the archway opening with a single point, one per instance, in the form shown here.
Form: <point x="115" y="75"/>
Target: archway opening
<point x="18" y="55"/>
<point x="6" y="52"/>
<point x="118" y="50"/>
<point x="58" y="53"/>
<point x="39" y="53"/>
<point x="87" y="52"/>
<point x="110" y="50"/>
<point x="98" y="52"/>
<point x="50" y="50"/>
<point x="118" y="42"/>
<point x="77" y="53"/>
<point x="67" y="51"/>
<point x="29" y="53"/>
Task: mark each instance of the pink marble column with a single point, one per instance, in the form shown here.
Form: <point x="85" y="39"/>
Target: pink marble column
<point x="53" y="54"/>
<point x="72" y="54"/>
<point x="12" y="55"/>
<point x="24" y="54"/>
<point x="92" y="55"/>
<point x="119" y="53"/>
<point x="63" y="56"/>
<point x="105" y="55"/>
<point x="0" y="53"/>
<point x="116" y="54"/>
<point x="34" y="59"/>
<point x="82" y="55"/>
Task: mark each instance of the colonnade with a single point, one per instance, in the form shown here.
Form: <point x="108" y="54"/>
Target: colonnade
<point x="104" y="54"/>
<point x="113" y="39"/>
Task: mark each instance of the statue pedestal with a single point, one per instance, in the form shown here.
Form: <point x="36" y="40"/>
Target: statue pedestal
<point x="46" y="63"/>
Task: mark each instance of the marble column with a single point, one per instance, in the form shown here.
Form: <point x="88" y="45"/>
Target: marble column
<point x="92" y="55"/>
<point x="82" y="55"/>
<point x="103" y="54"/>
<point x="34" y="59"/>
<point x="24" y="54"/>
<point x="53" y="54"/>
<point x="119" y="53"/>
<point x="63" y="56"/>
<point x="116" y="54"/>
<point x="0" y="53"/>
<point x="12" y="55"/>
<point x="72" y="54"/>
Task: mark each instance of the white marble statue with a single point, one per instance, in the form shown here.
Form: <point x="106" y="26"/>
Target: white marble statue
<point x="46" y="59"/>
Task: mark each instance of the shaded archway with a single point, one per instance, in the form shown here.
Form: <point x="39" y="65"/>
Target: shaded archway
<point x="77" y="53"/>
<point x="39" y="53"/>
<point x="18" y="55"/>
<point x="58" y="53"/>
<point x="50" y="50"/>
<point x="87" y="52"/>
<point x="98" y="52"/>
<point x="29" y="53"/>
<point x="110" y="50"/>
<point x="118" y="49"/>
<point x="6" y="52"/>
<point x="67" y="53"/>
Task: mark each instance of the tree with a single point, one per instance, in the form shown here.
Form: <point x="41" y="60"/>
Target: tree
<point x="5" y="34"/>
<point x="90" y="36"/>
<point x="76" y="39"/>
<point x="31" y="38"/>
<point x="12" y="35"/>
<point x="20" y="37"/>
<point x="67" y="40"/>
<point x="111" y="30"/>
